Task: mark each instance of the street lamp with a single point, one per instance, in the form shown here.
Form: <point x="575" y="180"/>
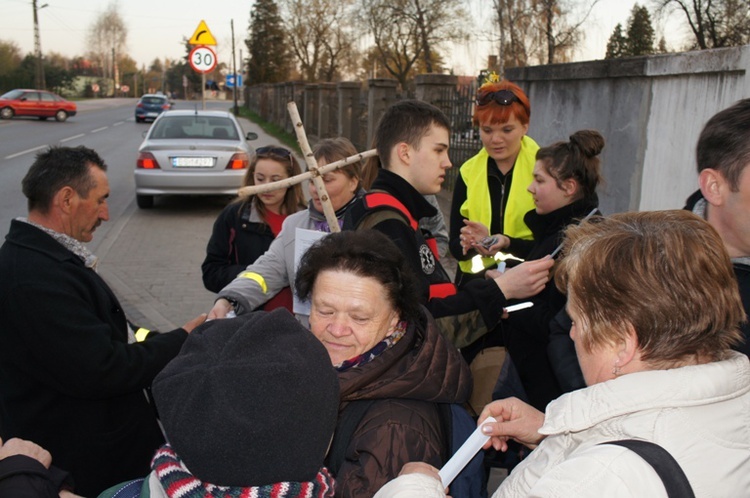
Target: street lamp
<point x="39" y="75"/>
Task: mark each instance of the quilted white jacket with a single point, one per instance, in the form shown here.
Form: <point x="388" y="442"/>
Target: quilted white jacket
<point x="700" y="414"/>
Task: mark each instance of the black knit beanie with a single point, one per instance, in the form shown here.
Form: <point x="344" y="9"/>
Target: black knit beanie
<point x="250" y="401"/>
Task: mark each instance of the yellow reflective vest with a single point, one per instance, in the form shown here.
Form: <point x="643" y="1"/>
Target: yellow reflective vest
<point x="478" y="205"/>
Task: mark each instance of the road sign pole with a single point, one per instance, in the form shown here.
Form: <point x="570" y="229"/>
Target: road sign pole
<point x="203" y="83"/>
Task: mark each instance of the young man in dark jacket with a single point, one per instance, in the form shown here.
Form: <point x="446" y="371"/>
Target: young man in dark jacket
<point x="72" y="376"/>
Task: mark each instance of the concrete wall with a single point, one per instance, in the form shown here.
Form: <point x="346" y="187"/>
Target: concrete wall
<point x="650" y="111"/>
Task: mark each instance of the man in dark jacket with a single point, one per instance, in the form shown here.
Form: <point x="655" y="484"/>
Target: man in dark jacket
<point x="412" y="140"/>
<point x="723" y="156"/>
<point x="72" y="376"/>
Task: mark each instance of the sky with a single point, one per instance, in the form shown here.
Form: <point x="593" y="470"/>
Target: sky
<point x="156" y="28"/>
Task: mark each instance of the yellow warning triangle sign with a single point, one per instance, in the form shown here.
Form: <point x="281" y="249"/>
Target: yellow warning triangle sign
<point x="202" y="35"/>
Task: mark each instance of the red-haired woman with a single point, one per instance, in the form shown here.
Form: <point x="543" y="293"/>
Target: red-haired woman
<point x="491" y="186"/>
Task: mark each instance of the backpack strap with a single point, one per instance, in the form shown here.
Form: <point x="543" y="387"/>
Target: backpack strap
<point x="348" y="421"/>
<point x="674" y="479"/>
<point x="377" y="199"/>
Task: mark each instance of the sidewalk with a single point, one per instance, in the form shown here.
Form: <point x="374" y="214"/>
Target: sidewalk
<point x="152" y="258"/>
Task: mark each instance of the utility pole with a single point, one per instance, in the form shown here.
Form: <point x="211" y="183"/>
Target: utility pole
<point x="234" y="73"/>
<point x="39" y="74"/>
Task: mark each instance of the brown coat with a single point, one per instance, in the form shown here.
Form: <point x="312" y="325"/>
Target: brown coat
<point x="403" y="425"/>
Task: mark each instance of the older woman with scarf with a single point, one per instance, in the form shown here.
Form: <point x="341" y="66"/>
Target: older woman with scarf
<point x="389" y="355"/>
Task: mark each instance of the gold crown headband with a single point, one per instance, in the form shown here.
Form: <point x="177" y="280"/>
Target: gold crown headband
<point x="493" y="77"/>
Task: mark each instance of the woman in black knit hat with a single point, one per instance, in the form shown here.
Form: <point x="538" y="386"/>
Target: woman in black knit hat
<point x="249" y="407"/>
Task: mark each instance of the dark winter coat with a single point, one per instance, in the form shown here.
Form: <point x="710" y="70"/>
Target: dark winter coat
<point x="526" y="333"/>
<point x="69" y="380"/>
<point x="741" y="271"/>
<point x="403" y="425"/>
<point x="239" y="237"/>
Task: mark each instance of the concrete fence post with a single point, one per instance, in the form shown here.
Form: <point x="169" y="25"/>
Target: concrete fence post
<point x="348" y="111"/>
<point x="381" y="95"/>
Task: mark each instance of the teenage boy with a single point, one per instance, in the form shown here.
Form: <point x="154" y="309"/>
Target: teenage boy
<point x="412" y="140"/>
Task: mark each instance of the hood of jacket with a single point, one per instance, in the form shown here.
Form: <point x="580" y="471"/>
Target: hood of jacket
<point x="423" y="366"/>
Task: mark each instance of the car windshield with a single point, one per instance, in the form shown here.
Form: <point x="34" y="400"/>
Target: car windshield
<point x="201" y="127"/>
<point x="153" y="100"/>
<point x="12" y="95"/>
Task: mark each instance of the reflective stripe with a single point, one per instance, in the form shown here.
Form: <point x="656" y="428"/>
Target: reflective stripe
<point x="257" y="278"/>
<point x="140" y="334"/>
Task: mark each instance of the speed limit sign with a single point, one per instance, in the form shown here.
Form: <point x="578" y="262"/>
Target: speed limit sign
<point x="202" y="59"/>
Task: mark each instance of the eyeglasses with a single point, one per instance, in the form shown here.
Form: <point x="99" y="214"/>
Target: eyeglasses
<point x="271" y="149"/>
<point x="500" y="97"/>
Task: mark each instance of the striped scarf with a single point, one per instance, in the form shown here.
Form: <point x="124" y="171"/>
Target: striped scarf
<point x="178" y="482"/>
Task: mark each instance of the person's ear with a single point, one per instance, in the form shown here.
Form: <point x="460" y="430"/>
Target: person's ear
<point x="403" y="151"/>
<point x="713" y="185"/>
<point x="65" y="198"/>
<point x="570" y="187"/>
<point x="525" y="128"/>
<point x="628" y="349"/>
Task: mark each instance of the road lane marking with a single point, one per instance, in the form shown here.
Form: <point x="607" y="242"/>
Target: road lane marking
<point x="72" y="138"/>
<point x="119" y="123"/>
<point x="99" y="129"/>
<point x="24" y="152"/>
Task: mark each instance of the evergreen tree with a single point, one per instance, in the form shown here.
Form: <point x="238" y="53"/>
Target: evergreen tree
<point x="662" y="48"/>
<point x="640" y="32"/>
<point x="617" y="44"/>
<point x="267" y="44"/>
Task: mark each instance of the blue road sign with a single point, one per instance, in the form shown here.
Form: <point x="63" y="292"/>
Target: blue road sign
<point x="231" y="79"/>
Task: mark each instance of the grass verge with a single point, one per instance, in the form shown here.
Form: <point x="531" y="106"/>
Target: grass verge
<point x="272" y="129"/>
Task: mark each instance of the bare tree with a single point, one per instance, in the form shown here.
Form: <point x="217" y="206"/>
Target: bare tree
<point x="319" y="35"/>
<point x="408" y="33"/>
<point x="107" y="39"/>
<point x="397" y="43"/>
<point x="519" y="34"/>
<point x="542" y="31"/>
<point x="713" y="23"/>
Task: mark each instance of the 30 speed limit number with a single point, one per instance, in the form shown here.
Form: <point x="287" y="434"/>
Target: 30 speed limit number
<point x="202" y="59"/>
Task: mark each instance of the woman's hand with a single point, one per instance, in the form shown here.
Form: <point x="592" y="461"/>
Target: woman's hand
<point x="472" y="233"/>
<point x="189" y="326"/>
<point x="420" y="468"/>
<point x="474" y="236"/>
<point x="220" y="309"/>
<point x="515" y="420"/>
<point x="524" y="280"/>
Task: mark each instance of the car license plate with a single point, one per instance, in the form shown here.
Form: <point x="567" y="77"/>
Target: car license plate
<point x="193" y="162"/>
<point x="152" y="114"/>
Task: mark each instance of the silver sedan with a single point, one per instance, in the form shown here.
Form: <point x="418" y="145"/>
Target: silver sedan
<point x="192" y="153"/>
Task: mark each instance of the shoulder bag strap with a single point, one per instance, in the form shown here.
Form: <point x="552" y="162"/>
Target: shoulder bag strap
<point x="674" y="479"/>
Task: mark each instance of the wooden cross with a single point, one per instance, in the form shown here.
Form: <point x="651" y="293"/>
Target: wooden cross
<point x="313" y="172"/>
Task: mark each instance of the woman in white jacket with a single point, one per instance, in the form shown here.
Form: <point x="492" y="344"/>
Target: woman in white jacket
<point x="655" y="310"/>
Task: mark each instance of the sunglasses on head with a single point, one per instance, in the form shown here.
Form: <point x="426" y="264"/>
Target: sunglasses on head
<point x="500" y="97"/>
<point x="270" y="149"/>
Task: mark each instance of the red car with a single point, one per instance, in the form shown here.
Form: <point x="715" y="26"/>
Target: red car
<point x="39" y="103"/>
